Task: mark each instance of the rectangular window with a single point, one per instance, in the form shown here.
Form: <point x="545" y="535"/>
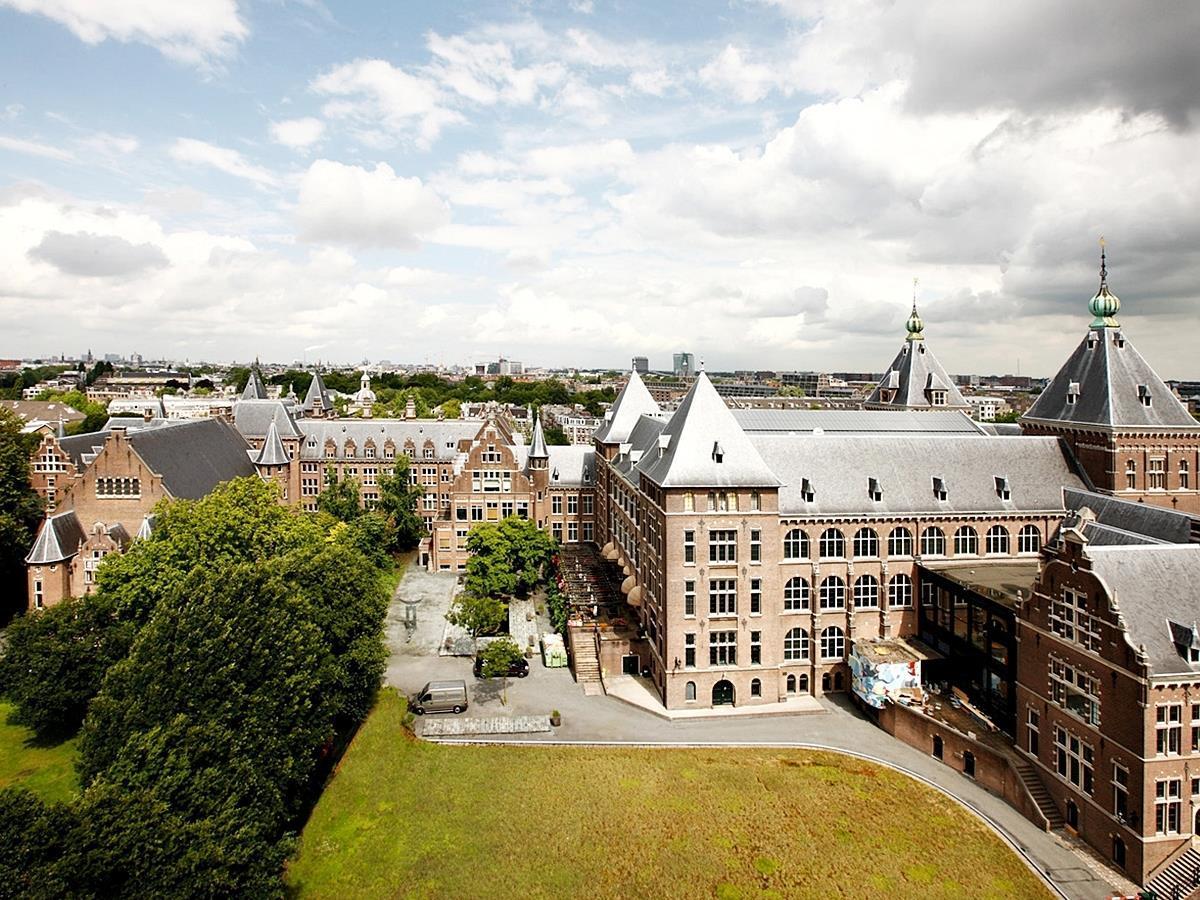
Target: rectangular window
<point x="1074" y="760"/>
<point x="1168" y="805"/>
<point x="1168" y="728"/>
<point x="587" y="504"/>
<point x="755" y="596"/>
<point x="572" y="504"/>
<point x="722" y="648"/>
<point x="1070" y="619"/>
<point x="556" y="530"/>
<point x="556" y="504"/>
<point x="689" y="599"/>
<point x="722" y="546"/>
<point x="755" y="648"/>
<point x="689" y="548"/>
<point x="572" y="532"/>
<point x="1120" y="782"/>
<point x="1156" y="474"/>
<point x="1075" y="691"/>
<point x="755" y="545"/>
<point x="722" y="597"/>
<point x="587" y="531"/>
<point x="689" y="650"/>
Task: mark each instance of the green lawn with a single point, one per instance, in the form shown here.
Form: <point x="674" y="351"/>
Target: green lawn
<point x="405" y="818"/>
<point x="47" y="771"/>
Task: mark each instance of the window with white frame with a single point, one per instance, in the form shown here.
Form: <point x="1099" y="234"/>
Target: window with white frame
<point x="755" y="545"/>
<point x="1168" y="805"/>
<point x="997" y="539"/>
<point x="1156" y="474"/>
<point x="833" y="544"/>
<point x="689" y="650"/>
<point x="933" y="542"/>
<point x="722" y="546"/>
<point x="866" y="543"/>
<point x="966" y="541"/>
<point x="1070" y="620"/>
<point x="1130" y="474"/>
<point x="756" y="648"/>
<point x="795" y="545"/>
<point x="556" y="504"/>
<point x="1120" y="783"/>
<point x="1075" y="690"/>
<point x="796" y="595"/>
<point x="900" y="591"/>
<point x="900" y="542"/>
<point x="833" y="643"/>
<point x="1074" y="760"/>
<point x="722" y="648"/>
<point x="866" y="592"/>
<point x="1029" y="539"/>
<point x="1184" y="473"/>
<point x="832" y="593"/>
<point x="1168" y="729"/>
<point x="689" y="598"/>
<point x="755" y="596"/>
<point x="795" y="645"/>
<point x="689" y="548"/>
<point x="722" y="597"/>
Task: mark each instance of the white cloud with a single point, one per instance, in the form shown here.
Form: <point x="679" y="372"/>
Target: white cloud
<point x="352" y="205"/>
<point x="110" y="144"/>
<point x="299" y="134"/>
<point x="35" y="148"/>
<point x="224" y="159"/>
<point x="196" y="32"/>
<point x="731" y="72"/>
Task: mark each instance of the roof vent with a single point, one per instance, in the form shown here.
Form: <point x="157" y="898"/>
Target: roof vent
<point x="1118" y="339"/>
<point x="806" y="491"/>
<point x="940" y="490"/>
<point x="718" y="454"/>
<point x="874" y="491"/>
<point x="1003" y="491"/>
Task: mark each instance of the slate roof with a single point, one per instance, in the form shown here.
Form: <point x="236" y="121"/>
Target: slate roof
<point x="702" y="445"/>
<point x="445" y="434"/>
<point x="573" y="465"/>
<point x="57" y="540"/>
<point x="255" y="389"/>
<point x="1153" y="586"/>
<point x="193" y="457"/>
<point x="913" y="372"/>
<point x="633" y="402"/>
<point x="82" y="448"/>
<point x="642" y="440"/>
<point x="856" y="421"/>
<point x="538" y="448"/>
<point x="1108" y="378"/>
<point x="318" y="396"/>
<point x="253" y="418"/>
<point x="1123" y="522"/>
<point x="272" y="452"/>
<point x="838" y="469"/>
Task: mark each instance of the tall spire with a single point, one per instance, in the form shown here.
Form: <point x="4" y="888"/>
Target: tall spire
<point x="538" y="449"/>
<point x="1105" y="305"/>
<point x="914" y="326"/>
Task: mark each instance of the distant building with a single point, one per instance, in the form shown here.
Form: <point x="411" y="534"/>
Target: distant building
<point x="684" y="364"/>
<point x="641" y="365"/>
<point x="985" y="409"/>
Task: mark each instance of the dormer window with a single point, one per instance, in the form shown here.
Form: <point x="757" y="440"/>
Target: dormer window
<point x="1186" y="640"/>
<point x="939" y="488"/>
<point x="1091" y="340"/>
<point x="1003" y="491"/>
<point x="718" y="454"/>
<point x="937" y="398"/>
<point x="1144" y="394"/>
<point x="886" y="395"/>
<point x="806" y="491"/>
<point x="1118" y="339"/>
<point x="1072" y="393"/>
<point x="874" y="490"/>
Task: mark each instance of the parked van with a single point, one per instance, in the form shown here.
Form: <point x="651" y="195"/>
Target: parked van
<point x="440" y="696"/>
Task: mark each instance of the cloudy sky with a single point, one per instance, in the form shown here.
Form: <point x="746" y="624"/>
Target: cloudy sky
<point x="578" y="182"/>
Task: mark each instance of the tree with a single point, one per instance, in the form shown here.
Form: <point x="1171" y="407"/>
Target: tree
<point x="498" y="656"/>
<point x="478" y="614"/>
<point x="555" y="436"/>
<point x="340" y="498"/>
<point x="452" y="408"/>
<point x="95" y="414"/>
<point x="20" y="509"/>
<point x="507" y="557"/>
<point x="398" y="502"/>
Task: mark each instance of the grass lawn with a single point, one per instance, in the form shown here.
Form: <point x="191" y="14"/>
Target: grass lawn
<point x="405" y="818"/>
<point x="47" y="771"/>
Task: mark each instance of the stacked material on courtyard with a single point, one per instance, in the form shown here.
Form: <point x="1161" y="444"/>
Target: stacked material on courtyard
<point x="886" y="670"/>
<point x="554" y="651"/>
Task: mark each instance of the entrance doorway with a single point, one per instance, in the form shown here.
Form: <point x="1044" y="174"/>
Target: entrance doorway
<point x="968" y="763"/>
<point x="937" y="746"/>
<point x="722" y="693"/>
<point x="1072" y="814"/>
<point x="631" y="665"/>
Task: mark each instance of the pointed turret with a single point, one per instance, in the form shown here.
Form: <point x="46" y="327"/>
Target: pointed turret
<point x="916" y="380"/>
<point x="255" y="389"/>
<point x="57" y="541"/>
<point x="539" y="456"/>
<point x="317" y="402"/>
<point x="632" y="403"/>
<point x="146" y="529"/>
<point x="703" y="446"/>
<point x="272" y="452"/>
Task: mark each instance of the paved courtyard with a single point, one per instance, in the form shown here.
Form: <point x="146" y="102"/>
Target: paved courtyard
<point x="608" y="719"/>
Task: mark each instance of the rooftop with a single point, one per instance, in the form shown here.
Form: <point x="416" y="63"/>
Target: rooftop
<point x="1004" y="582"/>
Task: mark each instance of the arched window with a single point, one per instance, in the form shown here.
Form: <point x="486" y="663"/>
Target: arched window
<point x="833" y="593"/>
<point x="796" y="595"/>
<point x="866" y="542"/>
<point x="866" y="592"/>
<point x="791" y="684"/>
<point x="795" y="645"/>
<point x="900" y="591"/>
<point x="833" y="643"/>
<point x="997" y="539"/>
<point x="689" y="691"/>
<point x="1029" y="540"/>
<point x="900" y="542"/>
<point x="833" y="544"/>
<point x="966" y="541"/>
<point x="795" y="545"/>
<point x="803" y="683"/>
<point x="755" y="687"/>
<point x="933" y="542"/>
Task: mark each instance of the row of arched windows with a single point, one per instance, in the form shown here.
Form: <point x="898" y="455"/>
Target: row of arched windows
<point x="796" y="647"/>
<point x="831" y="593"/>
<point x="866" y="543"/>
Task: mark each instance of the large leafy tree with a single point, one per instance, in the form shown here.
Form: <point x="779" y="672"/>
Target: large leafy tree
<point x="508" y="557"/>
<point x="398" y="502"/>
<point x="340" y="498"/>
<point x="20" y="509"/>
<point x="477" y="614"/>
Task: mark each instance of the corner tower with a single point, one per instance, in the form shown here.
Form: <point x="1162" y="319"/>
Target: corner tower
<point x="1128" y="431"/>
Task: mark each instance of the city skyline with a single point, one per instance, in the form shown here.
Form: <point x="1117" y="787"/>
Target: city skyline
<point x="578" y="184"/>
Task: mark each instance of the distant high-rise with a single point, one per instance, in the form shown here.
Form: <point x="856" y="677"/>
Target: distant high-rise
<point x="641" y="365"/>
<point x="684" y="364"/>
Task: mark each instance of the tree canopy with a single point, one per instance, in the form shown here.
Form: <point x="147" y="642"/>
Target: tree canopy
<point x="20" y="510"/>
<point x="507" y="557"/>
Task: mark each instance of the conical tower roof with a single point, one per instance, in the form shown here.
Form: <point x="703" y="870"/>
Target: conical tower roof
<point x="58" y="540"/>
<point x="537" y="449"/>
<point x="255" y="389"/>
<point x="703" y="446"/>
<point x="916" y="378"/>
<point x="632" y="403"/>
<point x="317" y="399"/>
<point x="272" y="452"/>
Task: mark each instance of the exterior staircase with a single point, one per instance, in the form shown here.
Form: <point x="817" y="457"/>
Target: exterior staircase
<point x="1038" y="792"/>
<point x="587" y="663"/>
<point x="1178" y="876"/>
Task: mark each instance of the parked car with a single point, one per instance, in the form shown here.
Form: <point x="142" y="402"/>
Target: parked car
<point x="439" y="696"/>
<point x="518" y="669"/>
